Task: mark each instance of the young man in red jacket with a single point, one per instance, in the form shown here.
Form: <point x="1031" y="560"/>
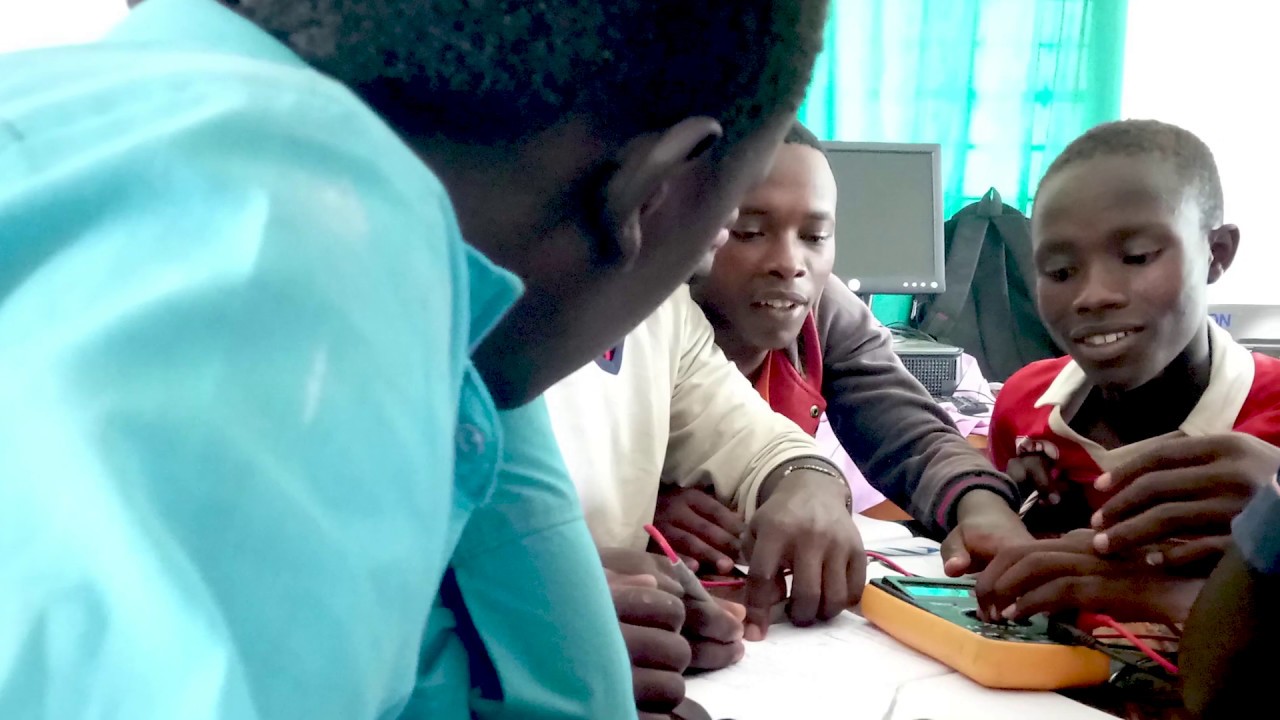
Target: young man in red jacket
<point x="1155" y="432"/>
<point x="809" y="346"/>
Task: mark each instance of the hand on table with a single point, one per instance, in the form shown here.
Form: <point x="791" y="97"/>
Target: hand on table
<point x="651" y="615"/>
<point x="1066" y="573"/>
<point x="804" y="526"/>
<point x="710" y="630"/>
<point x="699" y="526"/>
<point x="1184" y="491"/>
<point x="985" y="526"/>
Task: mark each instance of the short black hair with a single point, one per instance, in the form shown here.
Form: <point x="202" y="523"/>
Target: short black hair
<point x="497" y="71"/>
<point x="801" y="135"/>
<point x="1189" y="155"/>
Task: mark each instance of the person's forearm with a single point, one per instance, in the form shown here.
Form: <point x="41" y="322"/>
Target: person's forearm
<point x="976" y="498"/>
<point x="1226" y="655"/>
<point x="904" y="443"/>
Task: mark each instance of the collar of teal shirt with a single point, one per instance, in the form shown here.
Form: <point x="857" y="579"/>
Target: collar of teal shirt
<point x="207" y="24"/>
<point x="203" y="23"/>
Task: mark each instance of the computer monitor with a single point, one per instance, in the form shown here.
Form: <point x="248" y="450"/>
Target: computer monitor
<point x="889" y="217"/>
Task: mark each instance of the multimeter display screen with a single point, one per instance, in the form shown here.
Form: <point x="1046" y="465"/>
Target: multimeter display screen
<point x="938" y="591"/>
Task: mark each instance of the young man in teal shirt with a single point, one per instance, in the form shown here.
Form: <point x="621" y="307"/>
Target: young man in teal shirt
<point x="253" y="464"/>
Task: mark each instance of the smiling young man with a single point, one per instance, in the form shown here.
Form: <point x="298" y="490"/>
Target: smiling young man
<point x="253" y="459"/>
<point x="1128" y="235"/>
<point x="1158" y="428"/>
<point x="809" y="346"/>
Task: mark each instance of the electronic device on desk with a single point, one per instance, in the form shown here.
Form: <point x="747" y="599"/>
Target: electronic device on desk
<point x="939" y="617"/>
<point x="935" y="365"/>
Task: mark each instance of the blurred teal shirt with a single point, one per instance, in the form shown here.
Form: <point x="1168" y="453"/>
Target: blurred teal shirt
<point x="241" y="439"/>
<point x="1257" y="530"/>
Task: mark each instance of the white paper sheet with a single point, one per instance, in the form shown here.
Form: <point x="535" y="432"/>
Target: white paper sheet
<point x="879" y="531"/>
<point x="844" y="668"/>
<point x="956" y="697"/>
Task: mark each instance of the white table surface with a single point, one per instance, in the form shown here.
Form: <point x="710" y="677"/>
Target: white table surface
<point x="848" y="668"/>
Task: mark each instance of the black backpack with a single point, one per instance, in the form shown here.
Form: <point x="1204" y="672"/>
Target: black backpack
<point x="988" y="308"/>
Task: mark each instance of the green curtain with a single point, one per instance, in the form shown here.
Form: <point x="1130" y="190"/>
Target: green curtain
<point x="1001" y="85"/>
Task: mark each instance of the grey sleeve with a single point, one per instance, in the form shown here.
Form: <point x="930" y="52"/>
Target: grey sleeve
<point x="905" y="444"/>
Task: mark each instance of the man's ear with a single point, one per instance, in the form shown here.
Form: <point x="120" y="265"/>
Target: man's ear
<point x="1224" y="241"/>
<point x="646" y="167"/>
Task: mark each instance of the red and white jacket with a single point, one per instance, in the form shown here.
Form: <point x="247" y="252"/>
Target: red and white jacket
<point x="1243" y="395"/>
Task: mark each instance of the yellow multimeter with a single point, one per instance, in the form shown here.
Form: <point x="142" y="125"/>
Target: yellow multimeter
<point x="939" y="618"/>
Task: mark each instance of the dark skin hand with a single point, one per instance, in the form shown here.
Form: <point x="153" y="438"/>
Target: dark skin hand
<point x="1037" y="472"/>
<point x="701" y="527"/>
<point x="802" y="524"/>
<point x="688" y="710"/>
<point x="651" y="618"/>
<point x="667" y="632"/>
<point x="985" y="526"/>
<point x="711" y="629"/>
<point x="1061" y="505"/>
<point x="1182" y="492"/>
<point x="1066" y="573"/>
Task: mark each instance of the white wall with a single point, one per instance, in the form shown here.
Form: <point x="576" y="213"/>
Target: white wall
<point x="25" y="24"/>
<point x="1211" y="66"/>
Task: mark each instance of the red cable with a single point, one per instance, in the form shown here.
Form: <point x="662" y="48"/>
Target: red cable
<point x="1088" y="622"/>
<point x="724" y="583"/>
<point x="1157" y="638"/>
<point x="675" y="558"/>
<point x="885" y="561"/>
<point x="667" y="550"/>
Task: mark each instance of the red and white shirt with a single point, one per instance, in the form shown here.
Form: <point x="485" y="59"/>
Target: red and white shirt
<point x="1243" y="395"/>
